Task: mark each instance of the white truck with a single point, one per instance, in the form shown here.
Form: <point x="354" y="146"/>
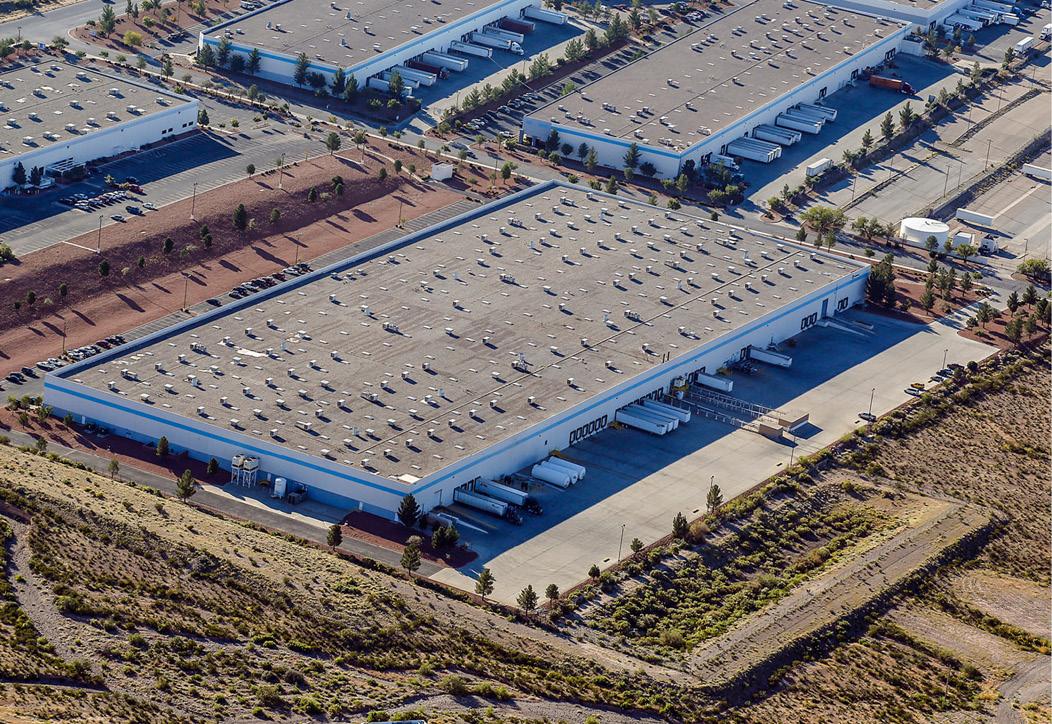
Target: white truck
<point x="493" y="41"/>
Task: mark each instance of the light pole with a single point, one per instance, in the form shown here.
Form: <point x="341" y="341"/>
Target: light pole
<point x="853" y="180"/>
<point x="193" y="201"/>
<point x="63" y="336"/>
<point x="945" y="179"/>
<point x="281" y="169"/>
<point x="399" y="212"/>
<point x="944" y="353"/>
<point x="792" y="449"/>
<point x="186" y="288"/>
<point x="869" y="412"/>
<point x="622" y="540"/>
<point x="98" y="243"/>
<point x="986" y="164"/>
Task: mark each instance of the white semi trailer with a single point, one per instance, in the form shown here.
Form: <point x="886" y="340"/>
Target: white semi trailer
<point x="469" y="49"/>
<point x="480" y="502"/>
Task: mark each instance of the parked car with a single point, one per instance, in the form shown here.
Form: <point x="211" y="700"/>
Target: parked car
<point x="118" y="217"/>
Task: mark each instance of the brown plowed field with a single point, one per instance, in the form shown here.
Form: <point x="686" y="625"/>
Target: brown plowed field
<point x="99" y="308"/>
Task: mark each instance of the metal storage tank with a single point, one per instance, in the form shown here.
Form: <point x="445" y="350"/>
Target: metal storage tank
<point x="918" y="230"/>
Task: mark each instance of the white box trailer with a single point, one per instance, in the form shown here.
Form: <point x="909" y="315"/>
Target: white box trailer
<point x="627" y="418"/>
<point x="445" y="61"/>
<point x="420" y="77"/>
<point x="499" y="491"/>
<point x="983" y="16"/>
<point x="1023" y="46"/>
<point x="469" y="49"/>
<point x="974" y="217"/>
<point x="782" y="136"/>
<point x="406" y="82"/>
<point x="770" y="357"/>
<point x="480" y="502"/>
<point x="639" y="411"/>
<point x="751" y="149"/>
<point x="818" y="168"/>
<point x="1046" y="32"/>
<point x="828" y="113"/>
<point x="545" y="16"/>
<point x="551" y="474"/>
<point x="959" y="21"/>
<point x="1000" y="8"/>
<point x="1045" y="174"/>
<point x="378" y="83"/>
<point x="683" y="415"/>
<point x="574" y="469"/>
<point x="807" y="116"/>
<point x="1009" y="19"/>
<point x="492" y="41"/>
<point x="503" y="34"/>
<point x="715" y="382"/>
<point x="798" y="124"/>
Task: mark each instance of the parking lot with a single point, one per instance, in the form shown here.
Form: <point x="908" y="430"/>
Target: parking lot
<point x="641" y="481"/>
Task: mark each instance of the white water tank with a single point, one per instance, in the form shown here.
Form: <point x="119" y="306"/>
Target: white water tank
<point x="917" y="230"/>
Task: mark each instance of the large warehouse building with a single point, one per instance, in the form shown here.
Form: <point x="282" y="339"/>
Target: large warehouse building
<point x="59" y="116"/>
<point x="466" y="351"/>
<point x="365" y="39"/>
<point x="693" y="98"/>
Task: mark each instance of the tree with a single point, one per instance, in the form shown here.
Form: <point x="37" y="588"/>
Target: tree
<point x="18" y="174"/>
<point x="334" y="536"/>
<point x="591" y="40"/>
<point x="527" y="600"/>
<point x="880" y="287"/>
<point x="339" y="80"/>
<point x="484" y="584"/>
<point x="275" y="216"/>
<point x="107" y="21"/>
<point x="928" y="300"/>
<point x="185" y="487"/>
<point x="223" y="52"/>
<point x="333" y="142"/>
<point x="552" y="594"/>
<point x="213" y="467"/>
<point x="824" y="219"/>
<point x="237" y="63"/>
<point x="411" y="554"/>
<point x="984" y="314"/>
<point x="867" y="140"/>
<point x="408" y="511"/>
<point x="104" y="268"/>
<point x="505" y="171"/>
<point x="162" y="447"/>
<point x="632" y="156"/>
<point x="965" y="251"/>
<point x="202" y="116"/>
<point x="611" y="185"/>
<point x="906" y="116"/>
<point x="680" y="527"/>
<point x="206" y="57"/>
<point x="166" y="66"/>
<point x="932" y="245"/>
<point x="582" y="151"/>
<point x="240" y="218"/>
<point x="114" y="468"/>
<point x="591" y="161"/>
<point x="168" y="245"/>
<point x="714" y="499"/>
<point x="312" y="195"/>
<point x="396" y="84"/>
<point x="254" y="61"/>
<point x="801" y="234"/>
<point x="887" y="126"/>
<point x="63" y="290"/>
<point x="250" y="169"/>
<point x="594" y="572"/>
<point x="1034" y="268"/>
<point x="299" y="75"/>
<point x="1030" y="295"/>
<point x="635" y="546"/>
<point x="1012" y="302"/>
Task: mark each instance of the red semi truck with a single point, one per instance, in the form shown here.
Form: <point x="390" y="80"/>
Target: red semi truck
<point x="896" y="84"/>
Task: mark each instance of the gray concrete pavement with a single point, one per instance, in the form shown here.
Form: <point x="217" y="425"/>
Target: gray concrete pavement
<point x="641" y="481"/>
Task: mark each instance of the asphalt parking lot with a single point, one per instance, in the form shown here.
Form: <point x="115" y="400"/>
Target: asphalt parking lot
<point x="641" y="481"/>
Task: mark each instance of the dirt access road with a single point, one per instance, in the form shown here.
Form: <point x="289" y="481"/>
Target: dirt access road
<point x="932" y="526"/>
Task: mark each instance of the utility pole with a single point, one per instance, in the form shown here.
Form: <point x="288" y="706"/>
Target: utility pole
<point x="945" y="179"/>
<point x="620" y="542"/>
<point x="63" y="336"/>
<point x="98" y="244"/>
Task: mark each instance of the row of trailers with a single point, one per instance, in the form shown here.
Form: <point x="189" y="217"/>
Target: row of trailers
<point x="509" y="498"/>
<point x="982" y="13"/>
<point x="432" y="66"/>
<point x="789" y="127"/>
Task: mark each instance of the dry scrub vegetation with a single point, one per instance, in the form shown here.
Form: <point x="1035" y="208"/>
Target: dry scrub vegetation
<point x="215" y="620"/>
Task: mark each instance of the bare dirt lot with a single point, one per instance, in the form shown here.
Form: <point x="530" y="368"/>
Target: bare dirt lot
<point x="131" y="295"/>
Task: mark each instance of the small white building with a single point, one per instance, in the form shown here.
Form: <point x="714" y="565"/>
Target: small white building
<point x="57" y="116"/>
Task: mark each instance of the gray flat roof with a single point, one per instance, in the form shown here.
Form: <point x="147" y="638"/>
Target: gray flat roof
<point x="317" y="29"/>
<point x="436" y="329"/>
<point x="707" y="80"/>
<point x="53" y="102"/>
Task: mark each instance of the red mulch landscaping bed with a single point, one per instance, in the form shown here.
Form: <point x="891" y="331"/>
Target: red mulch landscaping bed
<point x="393" y="536"/>
<point x="994" y="333"/>
<point x="124" y="243"/>
<point x="182" y="16"/>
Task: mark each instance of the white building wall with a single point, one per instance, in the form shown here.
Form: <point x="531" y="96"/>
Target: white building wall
<point x="611" y="151"/>
<point x="280" y="67"/>
<point x="107" y="141"/>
